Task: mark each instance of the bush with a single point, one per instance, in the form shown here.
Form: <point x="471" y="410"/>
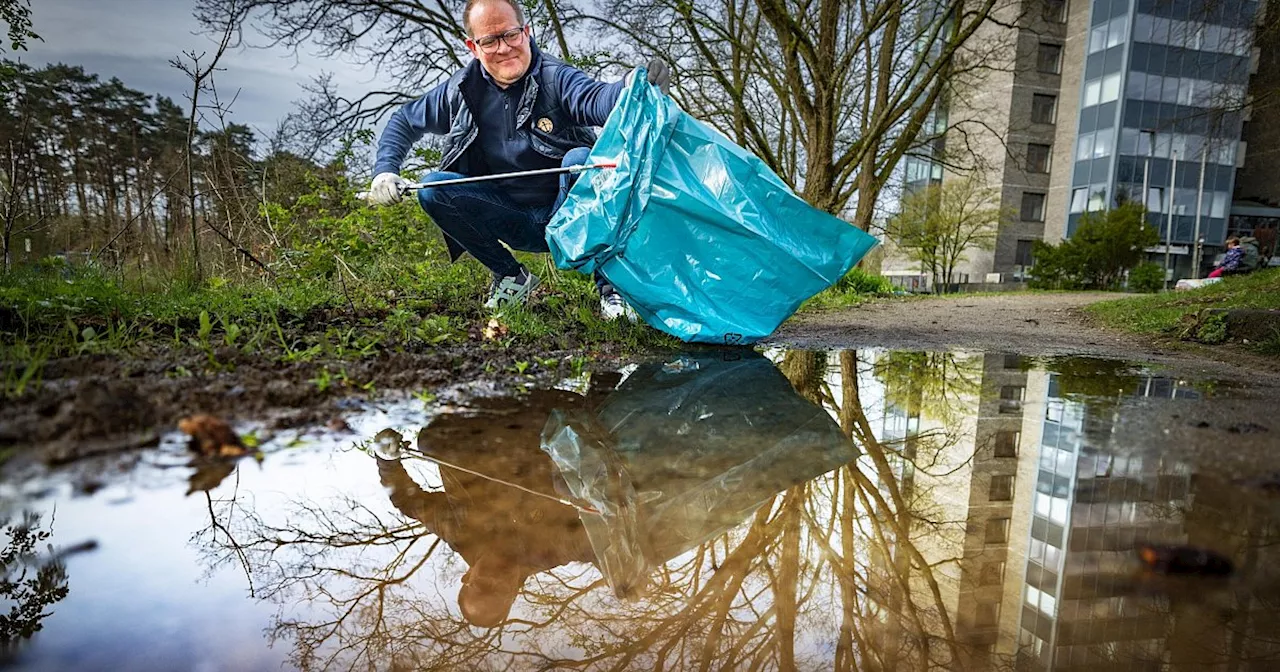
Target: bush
<point x="1103" y="247"/>
<point x="857" y="281"/>
<point x="1146" y="278"/>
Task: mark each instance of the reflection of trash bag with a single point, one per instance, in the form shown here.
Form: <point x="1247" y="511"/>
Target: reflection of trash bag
<point x="697" y="234"/>
<point x="683" y="451"/>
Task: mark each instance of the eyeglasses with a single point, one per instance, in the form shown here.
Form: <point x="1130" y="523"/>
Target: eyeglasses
<point x="489" y="43"/>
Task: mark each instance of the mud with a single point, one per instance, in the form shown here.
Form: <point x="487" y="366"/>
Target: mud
<point x="94" y="405"/>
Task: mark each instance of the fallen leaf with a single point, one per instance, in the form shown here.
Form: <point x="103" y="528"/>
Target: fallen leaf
<point x="211" y="436"/>
<point x="495" y="330"/>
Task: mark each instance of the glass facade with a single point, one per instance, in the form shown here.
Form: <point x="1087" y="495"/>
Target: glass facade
<point x="1163" y="81"/>
<point x="1091" y="502"/>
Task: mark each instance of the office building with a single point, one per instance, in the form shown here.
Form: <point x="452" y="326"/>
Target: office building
<point x="1102" y="101"/>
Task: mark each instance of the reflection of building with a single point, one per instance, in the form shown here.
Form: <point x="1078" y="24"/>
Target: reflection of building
<point x="988" y="529"/>
<point x="1097" y="103"/>
<point x="961" y="417"/>
<point x="1091" y="504"/>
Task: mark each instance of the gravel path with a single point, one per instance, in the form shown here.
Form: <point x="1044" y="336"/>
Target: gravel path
<point x="1050" y="324"/>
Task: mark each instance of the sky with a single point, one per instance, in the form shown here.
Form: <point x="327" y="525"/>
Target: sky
<point x="135" y="39"/>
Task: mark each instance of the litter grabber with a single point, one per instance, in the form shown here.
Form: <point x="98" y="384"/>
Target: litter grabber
<point x="572" y="170"/>
<point x="580" y="506"/>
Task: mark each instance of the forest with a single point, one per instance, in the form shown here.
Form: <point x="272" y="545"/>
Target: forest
<point x="98" y="169"/>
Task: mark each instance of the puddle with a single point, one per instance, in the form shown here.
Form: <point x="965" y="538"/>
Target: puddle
<point x="740" y="510"/>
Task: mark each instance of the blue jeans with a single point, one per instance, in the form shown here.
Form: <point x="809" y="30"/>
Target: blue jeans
<point x="481" y="217"/>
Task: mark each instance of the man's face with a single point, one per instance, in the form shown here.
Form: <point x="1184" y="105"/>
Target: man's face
<point x="506" y="60"/>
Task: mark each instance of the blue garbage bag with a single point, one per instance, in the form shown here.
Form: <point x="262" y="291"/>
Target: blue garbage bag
<point x="696" y="233"/>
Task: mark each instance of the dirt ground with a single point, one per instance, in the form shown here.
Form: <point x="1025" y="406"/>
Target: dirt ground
<point x="100" y="405"/>
<point x="1050" y="324"/>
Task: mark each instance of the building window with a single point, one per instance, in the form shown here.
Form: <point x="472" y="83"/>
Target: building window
<point x="992" y="573"/>
<point x="1049" y="58"/>
<point x="1097" y="199"/>
<point x="988" y="614"/>
<point x="1116" y="30"/>
<point x="1110" y="88"/>
<point x="1011" y="398"/>
<point x="1038" y="158"/>
<point x="1084" y="147"/>
<point x="1091" y="92"/>
<point x="1001" y="488"/>
<point x="1024" y="255"/>
<point x="1155" y="199"/>
<point x="1055" y="11"/>
<point x="1032" y="207"/>
<point x="1006" y="443"/>
<point x="1079" y="198"/>
<point x="997" y="531"/>
<point x="1102" y="142"/>
<point x="1098" y="39"/>
<point x="1044" y="108"/>
<point x="1146" y="142"/>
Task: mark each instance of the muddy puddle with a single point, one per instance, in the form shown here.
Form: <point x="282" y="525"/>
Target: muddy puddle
<point x="715" y="510"/>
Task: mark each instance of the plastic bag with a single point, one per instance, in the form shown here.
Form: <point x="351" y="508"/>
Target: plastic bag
<point x="683" y="450"/>
<point x="699" y="236"/>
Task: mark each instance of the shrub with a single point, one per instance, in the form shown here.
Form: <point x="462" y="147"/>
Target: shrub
<point x="1104" y="246"/>
<point x="1146" y="278"/>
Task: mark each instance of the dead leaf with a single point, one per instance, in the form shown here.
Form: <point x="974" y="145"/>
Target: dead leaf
<point x="211" y="436"/>
<point x="495" y="330"/>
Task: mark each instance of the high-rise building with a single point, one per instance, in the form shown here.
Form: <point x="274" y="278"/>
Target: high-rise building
<point x="1099" y="102"/>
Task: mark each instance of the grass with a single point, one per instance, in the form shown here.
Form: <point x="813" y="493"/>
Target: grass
<point x="857" y="286"/>
<point x="1164" y="314"/>
<point x="389" y="304"/>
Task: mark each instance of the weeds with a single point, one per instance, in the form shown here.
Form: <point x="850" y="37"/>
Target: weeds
<point x="1270" y="346"/>
<point x="855" y="287"/>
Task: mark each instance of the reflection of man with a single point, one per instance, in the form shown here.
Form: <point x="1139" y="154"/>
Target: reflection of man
<point x="504" y="534"/>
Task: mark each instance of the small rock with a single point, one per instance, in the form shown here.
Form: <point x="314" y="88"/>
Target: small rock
<point x="1246" y="428"/>
<point x="338" y="425"/>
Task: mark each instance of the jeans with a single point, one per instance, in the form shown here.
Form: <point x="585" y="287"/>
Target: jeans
<point x="481" y="217"/>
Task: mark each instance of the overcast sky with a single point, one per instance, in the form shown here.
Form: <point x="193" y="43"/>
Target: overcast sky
<point x="134" y="40"/>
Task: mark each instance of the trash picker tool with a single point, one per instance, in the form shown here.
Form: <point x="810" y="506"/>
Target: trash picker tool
<point x="581" y="506"/>
<point x="572" y="170"/>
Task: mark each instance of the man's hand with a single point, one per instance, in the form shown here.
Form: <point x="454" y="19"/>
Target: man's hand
<point x="386" y="189"/>
<point x="659" y="74"/>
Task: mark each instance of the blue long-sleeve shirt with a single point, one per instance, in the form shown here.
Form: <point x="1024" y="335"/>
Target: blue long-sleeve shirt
<point x="499" y="147"/>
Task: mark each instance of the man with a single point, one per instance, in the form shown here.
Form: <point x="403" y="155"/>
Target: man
<point x="512" y="108"/>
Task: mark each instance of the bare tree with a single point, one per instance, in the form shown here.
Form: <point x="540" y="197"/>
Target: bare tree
<point x="414" y="44"/>
<point x="200" y="76"/>
<point x="939" y="224"/>
<point x="830" y="94"/>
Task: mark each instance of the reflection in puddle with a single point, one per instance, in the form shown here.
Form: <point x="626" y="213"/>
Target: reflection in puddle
<point x="791" y="510"/>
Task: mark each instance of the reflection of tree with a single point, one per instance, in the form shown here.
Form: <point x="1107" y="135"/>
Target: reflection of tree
<point x="937" y="385"/>
<point x="29" y="584"/>
<point x="363" y="589"/>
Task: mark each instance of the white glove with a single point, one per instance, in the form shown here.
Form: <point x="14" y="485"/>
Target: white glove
<point x="388" y="444"/>
<point x="386" y="189"/>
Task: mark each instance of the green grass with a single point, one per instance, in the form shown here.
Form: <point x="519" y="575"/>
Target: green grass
<point x="857" y="286"/>
<point x="1163" y="313"/>
<point x="388" y="303"/>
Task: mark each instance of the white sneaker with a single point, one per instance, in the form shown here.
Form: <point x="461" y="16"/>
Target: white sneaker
<point x="511" y="290"/>
<point x="612" y="307"/>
